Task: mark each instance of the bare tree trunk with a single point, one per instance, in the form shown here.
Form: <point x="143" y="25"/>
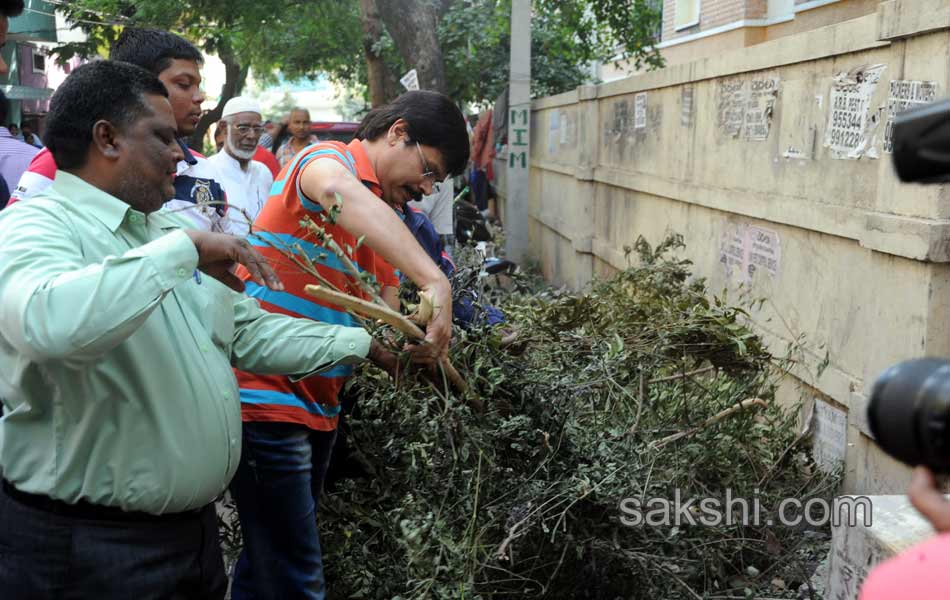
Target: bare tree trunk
<point x="235" y="77"/>
<point x="413" y="25"/>
<point x="375" y="65"/>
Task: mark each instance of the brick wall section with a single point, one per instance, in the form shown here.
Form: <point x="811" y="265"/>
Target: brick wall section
<point x="716" y="13"/>
<point x="712" y="14"/>
<point x="756" y="9"/>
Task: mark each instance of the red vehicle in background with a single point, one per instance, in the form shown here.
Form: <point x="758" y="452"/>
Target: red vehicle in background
<point x="330" y="131"/>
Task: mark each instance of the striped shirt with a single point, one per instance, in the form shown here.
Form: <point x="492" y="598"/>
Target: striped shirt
<point x="286" y="152"/>
<point x="312" y="401"/>
<point x="15" y="157"/>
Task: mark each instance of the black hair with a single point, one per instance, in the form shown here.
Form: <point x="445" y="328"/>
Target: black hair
<point x="4" y="107"/>
<point x="281" y="135"/>
<point x="433" y="120"/>
<point x="103" y="90"/>
<point x="11" y="8"/>
<point x="152" y="49"/>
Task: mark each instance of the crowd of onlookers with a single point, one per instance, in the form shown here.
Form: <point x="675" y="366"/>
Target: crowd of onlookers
<point x="249" y="153"/>
<point x="158" y="346"/>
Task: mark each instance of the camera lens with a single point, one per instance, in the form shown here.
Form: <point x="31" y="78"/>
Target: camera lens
<point x="909" y="412"/>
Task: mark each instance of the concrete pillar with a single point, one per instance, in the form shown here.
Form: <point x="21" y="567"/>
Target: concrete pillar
<point x="865" y="531"/>
<point x="519" y="132"/>
<point x="583" y="210"/>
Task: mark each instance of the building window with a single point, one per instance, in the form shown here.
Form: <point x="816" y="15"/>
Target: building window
<point x="657" y="5"/>
<point x="687" y="14"/>
<point x="39" y="62"/>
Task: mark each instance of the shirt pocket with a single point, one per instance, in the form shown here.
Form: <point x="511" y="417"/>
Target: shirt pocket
<point x="215" y="309"/>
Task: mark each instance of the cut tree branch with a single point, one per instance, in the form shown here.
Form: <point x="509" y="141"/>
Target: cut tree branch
<point x="396" y="320"/>
<point x="748" y="403"/>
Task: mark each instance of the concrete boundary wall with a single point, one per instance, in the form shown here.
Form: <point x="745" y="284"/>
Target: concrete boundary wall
<point x="773" y="163"/>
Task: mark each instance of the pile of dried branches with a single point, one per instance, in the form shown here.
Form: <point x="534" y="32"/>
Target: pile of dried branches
<point x="643" y="387"/>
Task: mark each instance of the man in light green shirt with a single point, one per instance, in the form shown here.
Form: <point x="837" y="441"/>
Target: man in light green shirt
<point x="121" y="411"/>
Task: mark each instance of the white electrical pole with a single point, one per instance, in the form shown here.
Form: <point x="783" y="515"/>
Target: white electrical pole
<point x="519" y="132"/>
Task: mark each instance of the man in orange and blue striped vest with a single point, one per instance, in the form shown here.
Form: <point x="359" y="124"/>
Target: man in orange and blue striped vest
<point x="401" y="150"/>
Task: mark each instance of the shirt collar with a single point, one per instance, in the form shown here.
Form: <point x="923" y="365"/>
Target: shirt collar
<point x="364" y="167"/>
<point x="189" y="157"/>
<point x="107" y="208"/>
<point x="4" y="132"/>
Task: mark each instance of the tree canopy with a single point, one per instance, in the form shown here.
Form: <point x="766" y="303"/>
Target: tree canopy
<point x="460" y="47"/>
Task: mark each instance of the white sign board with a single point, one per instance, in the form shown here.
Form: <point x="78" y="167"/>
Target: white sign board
<point x="831" y="435"/>
<point x="640" y="111"/>
<point x="410" y="80"/>
<point x="848" y="134"/>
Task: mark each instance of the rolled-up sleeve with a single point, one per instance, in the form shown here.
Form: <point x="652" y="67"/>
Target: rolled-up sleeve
<point x="274" y="344"/>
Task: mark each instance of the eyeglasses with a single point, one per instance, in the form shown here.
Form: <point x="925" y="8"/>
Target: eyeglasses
<point x="246" y="129"/>
<point x="427" y="172"/>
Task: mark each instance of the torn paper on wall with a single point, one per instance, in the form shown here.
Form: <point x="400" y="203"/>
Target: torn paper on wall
<point x="851" y="124"/>
<point x="759" y="106"/>
<point x="745" y="107"/>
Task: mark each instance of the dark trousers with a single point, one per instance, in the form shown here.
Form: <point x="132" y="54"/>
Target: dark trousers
<point x="46" y="555"/>
<point x="277" y="490"/>
<point x="479" y="183"/>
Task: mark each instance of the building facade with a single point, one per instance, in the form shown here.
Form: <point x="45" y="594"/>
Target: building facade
<point x="33" y="72"/>
<point x="695" y="29"/>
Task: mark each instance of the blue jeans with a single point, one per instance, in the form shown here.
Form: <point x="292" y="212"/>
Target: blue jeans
<point x="277" y="490"/>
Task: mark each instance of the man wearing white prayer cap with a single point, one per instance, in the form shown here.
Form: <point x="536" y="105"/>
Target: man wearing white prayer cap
<point x="246" y="182"/>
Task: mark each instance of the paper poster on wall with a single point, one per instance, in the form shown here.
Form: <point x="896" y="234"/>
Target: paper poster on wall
<point x="730" y="106"/>
<point x="565" y="125"/>
<point x="849" y="131"/>
<point x="745" y="107"/>
<point x="554" y="125"/>
<point x="616" y="127"/>
<point x="831" y="435"/>
<point x="686" y="106"/>
<point x="760" y="103"/>
<point x="640" y="111"/>
<point x="747" y="250"/>
<point x="904" y="95"/>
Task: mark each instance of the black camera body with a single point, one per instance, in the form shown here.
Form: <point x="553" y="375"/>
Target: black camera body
<point x="922" y="143"/>
<point x="909" y="410"/>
